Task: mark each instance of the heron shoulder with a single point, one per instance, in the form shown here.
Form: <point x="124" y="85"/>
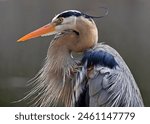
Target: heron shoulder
<point x="98" y="56"/>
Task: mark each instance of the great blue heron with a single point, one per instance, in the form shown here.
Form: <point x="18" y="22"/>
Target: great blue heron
<point x="100" y="78"/>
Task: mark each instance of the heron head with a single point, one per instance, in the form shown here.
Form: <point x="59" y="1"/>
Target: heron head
<point x="64" y="21"/>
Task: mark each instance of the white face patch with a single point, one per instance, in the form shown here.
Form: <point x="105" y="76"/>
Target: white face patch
<point x="68" y="23"/>
<point x="70" y="20"/>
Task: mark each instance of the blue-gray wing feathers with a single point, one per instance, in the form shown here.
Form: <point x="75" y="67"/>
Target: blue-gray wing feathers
<point x="112" y="83"/>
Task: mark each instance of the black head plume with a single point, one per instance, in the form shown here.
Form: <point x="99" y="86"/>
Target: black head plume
<point x="69" y="13"/>
<point x="105" y="14"/>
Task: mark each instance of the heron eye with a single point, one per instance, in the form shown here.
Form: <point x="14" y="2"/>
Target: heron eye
<point x="60" y="20"/>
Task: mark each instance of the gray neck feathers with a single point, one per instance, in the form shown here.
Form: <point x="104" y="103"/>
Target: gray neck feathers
<point x="53" y="85"/>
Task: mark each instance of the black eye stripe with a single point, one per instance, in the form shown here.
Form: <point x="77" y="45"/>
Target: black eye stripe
<point x="69" y="13"/>
<point x="73" y="13"/>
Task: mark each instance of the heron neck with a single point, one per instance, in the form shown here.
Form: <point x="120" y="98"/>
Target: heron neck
<point x="59" y="58"/>
<point x="53" y="80"/>
<point x="88" y="35"/>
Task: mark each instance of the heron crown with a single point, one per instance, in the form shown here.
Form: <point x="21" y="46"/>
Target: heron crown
<point x="69" y="13"/>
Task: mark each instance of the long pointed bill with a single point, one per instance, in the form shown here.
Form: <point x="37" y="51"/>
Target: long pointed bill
<point x="47" y="29"/>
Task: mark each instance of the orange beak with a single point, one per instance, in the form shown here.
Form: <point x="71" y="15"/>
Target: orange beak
<point x="49" y="28"/>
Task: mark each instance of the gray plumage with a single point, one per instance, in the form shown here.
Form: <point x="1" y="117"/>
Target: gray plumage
<point x="112" y="87"/>
<point x="100" y="78"/>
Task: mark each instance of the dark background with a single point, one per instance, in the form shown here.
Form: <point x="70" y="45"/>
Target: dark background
<point x="126" y="28"/>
